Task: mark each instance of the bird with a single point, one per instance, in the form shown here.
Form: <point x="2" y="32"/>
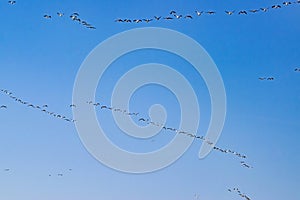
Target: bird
<point x="198" y="13"/>
<point x="229" y="12"/>
<point x="286" y="3"/>
<point x="157" y="18"/>
<point x="168" y="18"/>
<point x="264" y="9"/>
<point x="211" y="12"/>
<point x="270" y="79"/>
<point x="60" y="14"/>
<point x="243" y="12"/>
<point x="119" y="20"/>
<point x="47" y="16"/>
<point x="7" y="170"/>
<point x="254" y="10"/>
<point x="147" y="20"/>
<point x="102" y="107"/>
<point x="59" y="174"/>
<point x="262" y="78"/>
<point x="137" y="20"/>
<point x="127" y="20"/>
<point x="177" y="16"/>
<point x="12" y="2"/>
<point x="276" y="6"/>
<point x="45" y="106"/>
<point x="72" y="105"/>
<point x="3" y="107"/>
<point x="297" y="70"/>
<point x="172" y="12"/>
<point x="142" y="119"/>
<point x="188" y="17"/>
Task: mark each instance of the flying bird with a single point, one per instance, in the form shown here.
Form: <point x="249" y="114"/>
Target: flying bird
<point x="157" y="18"/>
<point x="286" y="3"/>
<point x="47" y="16"/>
<point x="229" y="12"/>
<point x="3" y="107"/>
<point x="60" y="14"/>
<point x="12" y="2"/>
<point x="243" y="12"/>
<point x="276" y="6"/>
<point x="254" y="10"/>
<point x="211" y="12"/>
<point x="172" y="12"/>
<point x="264" y="9"/>
<point x="188" y="17"/>
<point x="199" y="13"/>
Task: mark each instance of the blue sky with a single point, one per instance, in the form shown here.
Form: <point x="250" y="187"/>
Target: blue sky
<point x="39" y="61"/>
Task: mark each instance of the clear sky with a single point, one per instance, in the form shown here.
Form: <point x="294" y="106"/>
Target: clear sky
<point x="39" y="60"/>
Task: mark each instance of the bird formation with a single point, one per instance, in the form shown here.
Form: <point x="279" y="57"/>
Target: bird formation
<point x="74" y="17"/>
<point x="174" y="15"/>
<point x="237" y="190"/>
<point x="42" y="108"/>
<point x="266" y="78"/>
<point x="60" y="174"/>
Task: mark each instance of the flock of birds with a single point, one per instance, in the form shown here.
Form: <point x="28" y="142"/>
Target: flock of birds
<point x="74" y="17"/>
<point x="174" y="15"/>
<point x="237" y="190"/>
<point x="146" y="121"/>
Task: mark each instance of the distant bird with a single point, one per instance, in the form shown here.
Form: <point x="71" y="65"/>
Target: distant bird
<point x="198" y="13"/>
<point x="119" y="20"/>
<point x="102" y="107"/>
<point x="286" y="3"/>
<point x="168" y="18"/>
<point x="157" y="18"/>
<point x="60" y="14"/>
<point x="276" y="6"/>
<point x="127" y="20"/>
<point x="229" y="12"/>
<point x="262" y="78"/>
<point x="142" y="119"/>
<point x="72" y="105"/>
<point x="147" y="20"/>
<point x="254" y="10"/>
<point x="12" y="2"/>
<point x="172" y="12"/>
<point x="45" y="106"/>
<point x="264" y="9"/>
<point x="59" y="174"/>
<point x="188" y="17"/>
<point x="137" y="20"/>
<point x="211" y="12"/>
<point x="76" y="14"/>
<point x="243" y="12"/>
<point x="297" y="70"/>
<point x="91" y="27"/>
<point x="270" y="79"/>
<point x="47" y="16"/>
<point x="7" y="170"/>
<point x="177" y="16"/>
<point x="3" y="107"/>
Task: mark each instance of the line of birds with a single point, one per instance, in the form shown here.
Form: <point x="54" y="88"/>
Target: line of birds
<point x="272" y="78"/>
<point x="174" y="15"/>
<point x="43" y="108"/>
<point x="237" y="190"/>
<point x="74" y="17"/>
<point x="60" y="174"/>
<point x="163" y="127"/>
